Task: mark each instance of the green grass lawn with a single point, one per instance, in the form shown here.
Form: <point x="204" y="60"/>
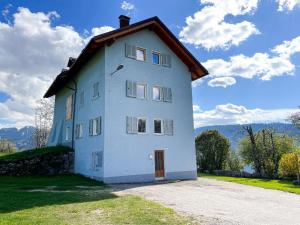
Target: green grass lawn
<point x="71" y="199"/>
<point x="281" y="185"/>
<point x="33" y="153"/>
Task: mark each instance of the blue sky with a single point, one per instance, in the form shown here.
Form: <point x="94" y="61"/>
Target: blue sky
<point x="250" y="48"/>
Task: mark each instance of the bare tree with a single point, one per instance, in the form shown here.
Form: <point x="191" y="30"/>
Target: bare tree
<point x="7" y="146"/>
<point x="43" y="122"/>
<point x="254" y="150"/>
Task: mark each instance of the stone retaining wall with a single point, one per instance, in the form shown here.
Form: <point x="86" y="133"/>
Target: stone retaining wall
<point x="48" y="164"/>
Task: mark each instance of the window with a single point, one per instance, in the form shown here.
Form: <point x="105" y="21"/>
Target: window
<point x="79" y="131"/>
<point x="162" y="94"/>
<point x="136" y="125"/>
<point x="69" y="107"/>
<point x="156" y="58"/>
<point x="168" y="127"/>
<point x="140" y="54"/>
<point x="97" y="160"/>
<point x="157" y="126"/>
<point x="141" y="91"/>
<point x="67" y="133"/>
<point x="136" y="90"/>
<point x="95" y="126"/>
<point x="141" y="125"/>
<point x="165" y="60"/>
<point x="96" y="90"/>
<point x="81" y="99"/>
<point x="157" y="93"/>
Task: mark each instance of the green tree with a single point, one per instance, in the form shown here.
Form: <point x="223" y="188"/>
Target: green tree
<point x="233" y="162"/>
<point x="263" y="150"/>
<point x="289" y="165"/>
<point x="212" y="150"/>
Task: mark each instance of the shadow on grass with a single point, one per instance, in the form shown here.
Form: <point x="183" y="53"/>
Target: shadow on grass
<point x="18" y="193"/>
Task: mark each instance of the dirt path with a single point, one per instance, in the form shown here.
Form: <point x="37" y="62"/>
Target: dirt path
<point x="216" y="202"/>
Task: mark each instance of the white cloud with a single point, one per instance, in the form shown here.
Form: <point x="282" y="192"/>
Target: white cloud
<point x="207" y="27"/>
<point x="127" y="6"/>
<point x="287" y="4"/>
<point x="222" y="82"/>
<point x="101" y="30"/>
<point x="263" y="66"/>
<point x="288" y="48"/>
<point x="32" y="53"/>
<point x="237" y="114"/>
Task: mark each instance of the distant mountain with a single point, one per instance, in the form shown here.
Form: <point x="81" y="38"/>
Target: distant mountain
<point x="235" y="132"/>
<point x="21" y="137"/>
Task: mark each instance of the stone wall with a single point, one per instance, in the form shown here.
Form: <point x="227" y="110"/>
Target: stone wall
<point x="47" y="164"/>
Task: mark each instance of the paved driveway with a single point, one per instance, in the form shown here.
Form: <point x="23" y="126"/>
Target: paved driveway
<point x="216" y="202"/>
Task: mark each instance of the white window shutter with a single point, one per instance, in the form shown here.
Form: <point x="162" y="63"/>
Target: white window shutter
<point x="76" y="131"/>
<point x="129" y="125"/>
<point x="134" y="125"/>
<point x="165" y="126"/>
<point x="134" y="89"/>
<point x="169" y="95"/>
<point x="171" y="130"/>
<point x="91" y="127"/>
<point x="129" y="88"/>
<point x="130" y="51"/>
<point x="166" y="60"/>
<point x="98" y="128"/>
<point x="164" y="93"/>
<point x="168" y="127"/>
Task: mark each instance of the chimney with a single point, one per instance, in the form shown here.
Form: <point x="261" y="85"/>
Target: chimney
<point x="124" y="21"/>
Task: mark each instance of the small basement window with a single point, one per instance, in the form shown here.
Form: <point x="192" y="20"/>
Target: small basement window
<point x="140" y="54"/>
<point x="156" y="58"/>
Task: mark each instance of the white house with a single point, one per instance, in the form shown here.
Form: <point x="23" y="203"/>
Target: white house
<point x="125" y="105"/>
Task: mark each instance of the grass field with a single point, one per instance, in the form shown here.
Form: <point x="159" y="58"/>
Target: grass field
<point x="33" y="153"/>
<point x="73" y="199"/>
<point x="281" y="185"/>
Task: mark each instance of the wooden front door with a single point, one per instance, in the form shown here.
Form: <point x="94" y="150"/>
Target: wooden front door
<point x="159" y="163"/>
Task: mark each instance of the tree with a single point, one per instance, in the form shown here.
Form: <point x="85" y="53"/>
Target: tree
<point x="43" y="122"/>
<point x="7" y="146"/>
<point x="263" y="150"/>
<point x="212" y="150"/>
<point x="289" y="165"/>
<point x="295" y="119"/>
<point x="233" y="162"/>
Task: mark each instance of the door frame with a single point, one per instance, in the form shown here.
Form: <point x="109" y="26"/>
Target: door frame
<point x="164" y="164"/>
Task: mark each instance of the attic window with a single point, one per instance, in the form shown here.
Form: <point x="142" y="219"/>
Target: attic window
<point x="156" y="58"/>
<point x="140" y="54"/>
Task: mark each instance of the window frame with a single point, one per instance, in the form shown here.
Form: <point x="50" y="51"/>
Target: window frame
<point x="144" y="50"/>
<point x="67" y="134"/>
<point x="69" y="115"/>
<point x="81" y="99"/>
<point x="159" y="58"/>
<point x="80" y="131"/>
<point x="161" y="126"/>
<point x="145" y="90"/>
<point x="160" y="93"/>
<point x="137" y="124"/>
<point x="98" y="94"/>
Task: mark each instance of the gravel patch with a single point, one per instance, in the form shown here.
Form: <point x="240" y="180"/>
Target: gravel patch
<point x="215" y="202"/>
